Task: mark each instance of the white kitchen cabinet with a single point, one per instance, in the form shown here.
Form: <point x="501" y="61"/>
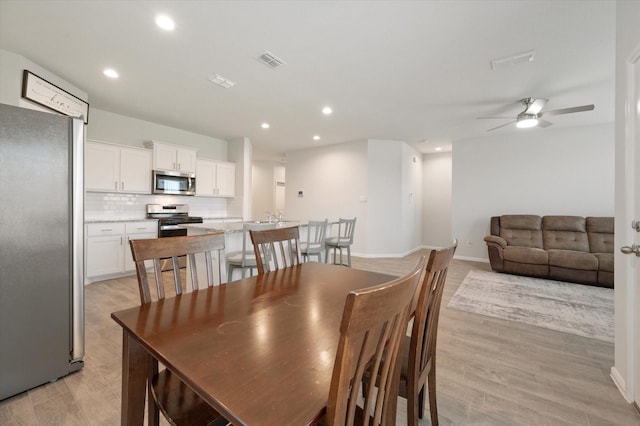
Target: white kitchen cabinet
<point x="104" y="249"/>
<point x="215" y="178"/>
<point x="108" y="251"/>
<point x="137" y="231"/>
<point x="115" y="168"/>
<point x="173" y="158"/>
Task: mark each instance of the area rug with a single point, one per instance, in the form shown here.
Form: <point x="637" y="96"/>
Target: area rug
<point x="571" y="308"/>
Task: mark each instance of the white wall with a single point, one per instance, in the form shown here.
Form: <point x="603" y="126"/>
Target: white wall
<point x="11" y="68"/>
<point x="411" y="199"/>
<point x="436" y="200"/>
<point x="384" y="171"/>
<point x="333" y="178"/>
<point x="115" y="128"/>
<point x="377" y="181"/>
<point x="265" y="174"/>
<point x="626" y="370"/>
<point x="240" y="151"/>
<point x="540" y="171"/>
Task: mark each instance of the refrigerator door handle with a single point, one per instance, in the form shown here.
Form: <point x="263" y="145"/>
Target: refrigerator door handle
<point x="77" y="349"/>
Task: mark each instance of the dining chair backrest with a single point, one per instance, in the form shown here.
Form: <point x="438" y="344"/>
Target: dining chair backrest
<point x="247" y="243"/>
<point x="276" y="248"/>
<point x="373" y="324"/>
<point x="159" y="249"/>
<point x="422" y="343"/>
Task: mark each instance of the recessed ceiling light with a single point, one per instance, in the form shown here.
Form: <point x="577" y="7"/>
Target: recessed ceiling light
<point x="265" y="125"/>
<point x="111" y="73"/>
<point x="165" y="22"/>
<point x="438" y="148"/>
<point x="316" y="138"/>
<point x="327" y="110"/>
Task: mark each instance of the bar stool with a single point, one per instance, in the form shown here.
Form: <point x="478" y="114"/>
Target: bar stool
<point x="342" y="240"/>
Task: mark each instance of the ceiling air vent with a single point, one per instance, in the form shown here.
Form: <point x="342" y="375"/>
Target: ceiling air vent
<point x="271" y="60"/>
<point x="509" y="61"/>
<point x="221" y="81"/>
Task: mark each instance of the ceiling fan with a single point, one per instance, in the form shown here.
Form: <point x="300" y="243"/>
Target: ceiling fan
<point x="532" y="114"/>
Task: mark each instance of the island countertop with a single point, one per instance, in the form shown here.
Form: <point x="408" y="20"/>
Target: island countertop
<point x="229" y="227"/>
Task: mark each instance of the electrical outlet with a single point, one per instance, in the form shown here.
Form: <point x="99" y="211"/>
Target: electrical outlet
<point x="469" y="244"/>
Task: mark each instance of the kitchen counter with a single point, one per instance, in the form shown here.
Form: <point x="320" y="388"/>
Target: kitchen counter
<point x="144" y="219"/>
<point x="226" y="227"/>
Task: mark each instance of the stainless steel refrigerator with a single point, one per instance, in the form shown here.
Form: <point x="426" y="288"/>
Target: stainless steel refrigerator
<point x="41" y="248"/>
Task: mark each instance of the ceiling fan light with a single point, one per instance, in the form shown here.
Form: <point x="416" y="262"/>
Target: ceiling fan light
<point x="526" y="123"/>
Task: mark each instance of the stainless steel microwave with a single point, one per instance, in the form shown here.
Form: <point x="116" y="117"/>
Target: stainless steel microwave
<point x="174" y="183"/>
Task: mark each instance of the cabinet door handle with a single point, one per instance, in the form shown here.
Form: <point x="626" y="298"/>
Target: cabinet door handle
<point x="179" y="168"/>
<point x="116" y="185"/>
<point x="121" y="241"/>
<point x="106" y="230"/>
<point x="122" y="184"/>
<point x="174" y="166"/>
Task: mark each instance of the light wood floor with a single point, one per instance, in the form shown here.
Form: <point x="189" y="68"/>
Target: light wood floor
<point x="490" y="371"/>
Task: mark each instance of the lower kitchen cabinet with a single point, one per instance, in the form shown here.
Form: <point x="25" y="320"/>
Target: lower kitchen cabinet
<point x="107" y="248"/>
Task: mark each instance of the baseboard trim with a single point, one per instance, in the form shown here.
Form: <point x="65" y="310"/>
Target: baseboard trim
<point x="620" y="383"/>
<point x="471" y="259"/>
<point x="398" y="255"/>
<point x="392" y="255"/>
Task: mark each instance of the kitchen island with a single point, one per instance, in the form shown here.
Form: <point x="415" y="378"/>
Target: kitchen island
<point x="232" y="236"/>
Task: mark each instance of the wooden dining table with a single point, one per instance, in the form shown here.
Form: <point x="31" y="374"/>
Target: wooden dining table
<point x="259" y="350"/>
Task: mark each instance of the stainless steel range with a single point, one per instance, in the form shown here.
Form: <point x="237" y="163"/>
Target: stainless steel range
<point x="170" y="216"/>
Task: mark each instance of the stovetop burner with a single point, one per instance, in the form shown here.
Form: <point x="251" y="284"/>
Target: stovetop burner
<point x="176" y="220"/>
<point x="171" y="214"/>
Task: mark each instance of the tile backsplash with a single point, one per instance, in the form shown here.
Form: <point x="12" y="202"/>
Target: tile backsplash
<point x="115" y="206"/>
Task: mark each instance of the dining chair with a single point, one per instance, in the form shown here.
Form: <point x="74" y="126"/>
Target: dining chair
<point x="419" y="357"/>
<point x="167" y="393"/>
<point x="276" y="248"/>
<point x="374" y="322"/>
<point x="245" y="259"/>
<point x="314" y="245"/>
<point x="342" y="240"/>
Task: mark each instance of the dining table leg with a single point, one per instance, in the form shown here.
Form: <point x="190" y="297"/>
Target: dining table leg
<point x="135" y="364"/>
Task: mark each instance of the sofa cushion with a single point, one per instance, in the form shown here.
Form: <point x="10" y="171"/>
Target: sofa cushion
<point x="605" y="261"/>
<point x="530" y="255"/>
<point x="573" y="260"/>
<point x="565" y="233"/>
<point x="522" y="230"/>
<point x="600" y="231"/>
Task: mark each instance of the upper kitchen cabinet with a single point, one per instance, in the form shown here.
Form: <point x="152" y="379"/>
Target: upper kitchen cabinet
<point x="215" y="179"/>
<point x="173" y="158"/>
<point x="116" y="168"/>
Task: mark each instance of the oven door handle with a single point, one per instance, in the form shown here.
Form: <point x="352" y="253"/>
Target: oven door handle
<point x="170" y="227"/>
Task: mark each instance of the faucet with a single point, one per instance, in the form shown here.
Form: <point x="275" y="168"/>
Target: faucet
<point x="279" y="215"/>
<point x="269" y="216"/>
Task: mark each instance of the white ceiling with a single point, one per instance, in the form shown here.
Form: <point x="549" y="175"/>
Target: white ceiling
<point x="402" y="70"/>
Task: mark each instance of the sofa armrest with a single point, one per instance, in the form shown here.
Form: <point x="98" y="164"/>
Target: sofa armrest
<point x="495" y="241"/>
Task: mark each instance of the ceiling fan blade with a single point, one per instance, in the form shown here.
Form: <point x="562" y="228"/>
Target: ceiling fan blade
<point x="484" y="118"/>
<point x="536" y="106"/>
<point x="567" y="110"/>
<point x="544" y="123"/>
<point x="502" y="125"/>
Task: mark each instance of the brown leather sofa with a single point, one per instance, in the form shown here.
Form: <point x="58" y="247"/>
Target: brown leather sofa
<point x="564" y="248"/>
